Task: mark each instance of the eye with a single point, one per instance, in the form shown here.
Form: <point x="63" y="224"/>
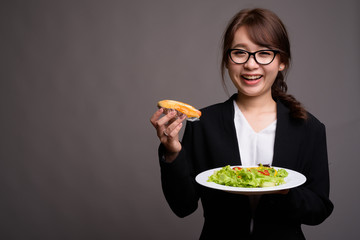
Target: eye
<point x="239" y="52"/>
<point x="265" y="53"/>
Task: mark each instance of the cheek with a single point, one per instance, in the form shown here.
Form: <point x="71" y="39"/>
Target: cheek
<point x="272" y="71"/>
<point x="234" y="74"/>
<point x="233" y="69"/>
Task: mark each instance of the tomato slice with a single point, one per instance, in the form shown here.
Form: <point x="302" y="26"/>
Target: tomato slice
<point x="265" y="172"/>
<point x="237" y="168"/>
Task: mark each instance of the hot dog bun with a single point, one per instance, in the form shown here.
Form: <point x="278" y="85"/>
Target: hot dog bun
<point x="184" y="108"/>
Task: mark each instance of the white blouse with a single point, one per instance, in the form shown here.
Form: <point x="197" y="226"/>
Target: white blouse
<point x="254" y="147"/>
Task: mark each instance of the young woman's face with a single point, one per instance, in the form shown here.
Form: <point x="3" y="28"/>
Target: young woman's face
<point x="250" y="78"/>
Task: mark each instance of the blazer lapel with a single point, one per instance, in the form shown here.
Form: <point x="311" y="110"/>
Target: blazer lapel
<point x="287" y="143"/>
<point x="230" y="132"/>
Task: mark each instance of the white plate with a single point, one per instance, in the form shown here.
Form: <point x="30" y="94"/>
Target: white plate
<point x="294" y="179"/>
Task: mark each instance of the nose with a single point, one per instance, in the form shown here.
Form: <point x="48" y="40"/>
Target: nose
<point x="251" y="63"/>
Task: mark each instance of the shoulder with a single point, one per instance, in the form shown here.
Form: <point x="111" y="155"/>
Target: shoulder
<point x="218" y="109"/>
<point x="216" y="116"/>
<point x="312" y="123"/>
<point x="314" y="126"/>
<point x="212" y="110"/>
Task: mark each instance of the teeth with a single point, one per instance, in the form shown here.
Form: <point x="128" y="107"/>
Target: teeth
<point x="252" y="77"/>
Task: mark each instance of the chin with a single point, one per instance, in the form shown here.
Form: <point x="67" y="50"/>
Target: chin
<point x="251" y="93"/>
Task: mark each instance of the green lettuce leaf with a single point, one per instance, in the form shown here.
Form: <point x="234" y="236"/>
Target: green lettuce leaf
<point x="249" y="177"/>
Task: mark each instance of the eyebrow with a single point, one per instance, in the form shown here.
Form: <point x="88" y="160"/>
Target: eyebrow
<point x="239" y="46"/>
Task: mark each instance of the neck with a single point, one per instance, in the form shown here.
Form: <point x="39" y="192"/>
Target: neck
<point x="258" y="104"/>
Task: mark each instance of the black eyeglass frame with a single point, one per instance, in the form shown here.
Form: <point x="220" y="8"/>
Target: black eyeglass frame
<point x="253" y="54"/>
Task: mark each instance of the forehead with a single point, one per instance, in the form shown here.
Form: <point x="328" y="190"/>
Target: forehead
<point x="242" y="40"/>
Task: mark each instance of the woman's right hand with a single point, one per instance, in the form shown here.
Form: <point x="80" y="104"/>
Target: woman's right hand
<point x="167" y="129"/>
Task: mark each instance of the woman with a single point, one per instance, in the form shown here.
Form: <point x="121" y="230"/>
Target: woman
<point x="259" y="124"/>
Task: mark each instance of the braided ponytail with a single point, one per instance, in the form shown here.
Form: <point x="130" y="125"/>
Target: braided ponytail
<point x="278" y="91"/>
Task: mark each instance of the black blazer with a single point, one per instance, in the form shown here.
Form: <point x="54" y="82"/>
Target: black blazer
<point x="211" y="142"/>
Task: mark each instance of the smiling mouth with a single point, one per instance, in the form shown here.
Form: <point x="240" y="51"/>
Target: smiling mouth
<point x="251" y="77"/>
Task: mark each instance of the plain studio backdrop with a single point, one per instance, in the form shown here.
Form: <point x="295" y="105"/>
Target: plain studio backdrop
<point x="79" y="81"/>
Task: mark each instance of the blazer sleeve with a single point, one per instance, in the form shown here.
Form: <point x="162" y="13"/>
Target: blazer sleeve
<point x="309" y="204"/>
<point x="178" y="178"/>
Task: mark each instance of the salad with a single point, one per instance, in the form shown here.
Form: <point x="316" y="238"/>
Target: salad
<point x="249" y="177"/>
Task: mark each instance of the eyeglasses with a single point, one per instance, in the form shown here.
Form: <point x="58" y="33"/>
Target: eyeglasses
<point x="262" y="57"/>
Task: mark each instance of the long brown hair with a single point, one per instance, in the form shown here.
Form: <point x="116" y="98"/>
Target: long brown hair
<point x="265" y="29"/>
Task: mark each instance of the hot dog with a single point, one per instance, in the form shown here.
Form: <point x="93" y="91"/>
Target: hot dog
<point x="184" y="108"/>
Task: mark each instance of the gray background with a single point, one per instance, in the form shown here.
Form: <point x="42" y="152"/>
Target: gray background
<point x="79" y="81"/>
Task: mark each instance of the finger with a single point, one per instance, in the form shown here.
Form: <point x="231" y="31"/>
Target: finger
<point x="165" y="119"/>
<point x="175" y="132"/>
<point x="173" y="129"/>
<point x="162" y="123"/>
<point x="178" y="115"/>
<point x="284" y="192"/>
<point x="156" y="116"/>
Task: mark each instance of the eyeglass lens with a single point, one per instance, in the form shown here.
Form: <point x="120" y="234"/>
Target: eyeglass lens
<point x="261" y="57"/>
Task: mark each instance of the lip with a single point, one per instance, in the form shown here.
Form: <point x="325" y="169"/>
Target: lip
<point x="251" y="79"/>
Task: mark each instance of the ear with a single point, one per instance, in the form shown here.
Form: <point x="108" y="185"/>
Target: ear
<point x="281" y="67"/>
